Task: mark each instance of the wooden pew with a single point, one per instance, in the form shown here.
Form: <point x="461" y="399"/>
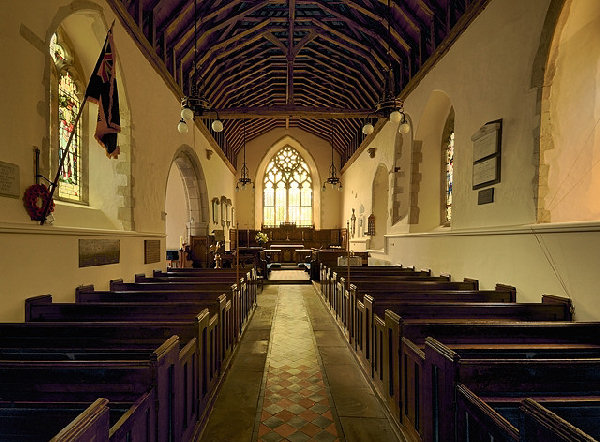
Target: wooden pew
<point x="240" y="311"/>
<point x="148" y="383"/>
<point x="224" y="326"/>
<point x="540" y="373"/>
<point x="328" y="280"/>
<point x="57" y="422"/>
<point x="197" y="369"/>
<point x="202" y="325"/>
<point x="356" y="310"/>
<point x="250" y="277"/>
<point x="377" y="355"/>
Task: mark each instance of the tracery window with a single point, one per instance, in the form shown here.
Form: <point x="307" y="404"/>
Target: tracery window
<point x="68" y="103"/>
<point x="287" y="195"/>
<point x="449" y="158"/>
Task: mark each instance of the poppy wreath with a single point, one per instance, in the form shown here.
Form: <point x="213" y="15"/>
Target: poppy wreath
<point x="35" y="199"/>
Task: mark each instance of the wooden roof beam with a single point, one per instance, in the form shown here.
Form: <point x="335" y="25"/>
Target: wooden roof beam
<point x="285" y="111"/>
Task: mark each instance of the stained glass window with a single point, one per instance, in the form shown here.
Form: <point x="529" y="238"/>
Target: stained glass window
<point x="56" y="50"/>
<point x="287" y="190"/>
<point x="68" y="107"/>
<point x="449" y="175"/>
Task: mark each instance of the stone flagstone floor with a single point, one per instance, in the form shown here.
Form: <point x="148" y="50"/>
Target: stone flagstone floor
<point x="295" y="379"/>
<point x="296" y="403"/>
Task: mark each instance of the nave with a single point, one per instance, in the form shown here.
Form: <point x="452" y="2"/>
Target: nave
<point x="294" y="378"/>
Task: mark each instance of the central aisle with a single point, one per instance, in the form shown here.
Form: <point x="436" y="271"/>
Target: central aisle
<point x="294" y="378"/>
<point x="296" y="401"/>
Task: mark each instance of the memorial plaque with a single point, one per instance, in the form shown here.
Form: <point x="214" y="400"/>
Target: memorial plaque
<point x="487" y="142"/>
<point x="151" y="251"/>
<point x="99" y="252"/>
<point x="485" y="196"/>
<point x="484" y="172"/>
<point x="9" y="180"/>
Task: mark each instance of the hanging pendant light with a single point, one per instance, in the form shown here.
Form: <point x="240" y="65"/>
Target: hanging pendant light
<point x="195" y="104"/>
<point x="244" y="172"/>
<point x="333" y="179"/>
<point x="388" y="106"/>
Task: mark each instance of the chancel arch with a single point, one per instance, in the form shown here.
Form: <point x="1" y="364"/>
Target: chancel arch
<point x="569" y="169"/>
<point x="311" y="178"/>
<point x="186" y="200"/>
<point x="428" y="189"/>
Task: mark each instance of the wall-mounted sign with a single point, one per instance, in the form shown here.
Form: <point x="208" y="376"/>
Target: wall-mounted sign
<point x="487" y="142"/>
<point x="9" y="180"/>
<point x="151" y="251"/>
<point x="99" y="252"/>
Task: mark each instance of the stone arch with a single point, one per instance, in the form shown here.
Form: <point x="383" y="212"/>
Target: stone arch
<point x="196" y="191"/>
<point x="379" y="198"/>
<point x="287" y="140"/>
<point x="86" y="21"/>
<point x="425" y="182"/>
<point x="569" y="134"/>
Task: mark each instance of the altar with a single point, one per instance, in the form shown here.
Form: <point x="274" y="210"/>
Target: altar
<point x="285" y="253"/>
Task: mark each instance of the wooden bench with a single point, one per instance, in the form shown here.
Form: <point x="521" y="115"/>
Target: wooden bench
<point x="356" y="310"/>
<point x="225" y="326"/>
<point x="126" y="381"/>
<point x="241" y="307"/>
<point x="202" y="325"/>
<point x="562" y="371"/>
<point x="58" y="422"/>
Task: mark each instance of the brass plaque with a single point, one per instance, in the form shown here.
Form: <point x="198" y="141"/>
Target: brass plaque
<point x="99" y="252"/>
<point x="9" y="180"/>
<point x="151" y="251"/>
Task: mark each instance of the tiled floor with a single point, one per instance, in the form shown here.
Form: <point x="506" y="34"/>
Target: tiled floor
<point x="296" y="403"/>
<point x="297" y="275"/>
<point x="295" y="379"/>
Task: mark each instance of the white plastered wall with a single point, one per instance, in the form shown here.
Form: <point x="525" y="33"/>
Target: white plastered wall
<point x="35" y="259"/>
<point x="486" y="75"/>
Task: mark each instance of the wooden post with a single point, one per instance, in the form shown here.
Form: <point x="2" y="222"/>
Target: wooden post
<point x="237" y="252"/>
<point x="348" y="255"/>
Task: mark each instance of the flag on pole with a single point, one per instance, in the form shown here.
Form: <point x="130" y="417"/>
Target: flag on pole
<point x="102" y="90"/>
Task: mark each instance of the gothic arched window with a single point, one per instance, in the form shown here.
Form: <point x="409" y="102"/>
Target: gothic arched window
<point x="449" y="158"/>
<point x="447" y="178"/>
<point x="67" y="101"/>
<point x="288" y="195"/>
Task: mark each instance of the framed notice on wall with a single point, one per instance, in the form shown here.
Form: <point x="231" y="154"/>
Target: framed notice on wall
<point x="487" y="142"/>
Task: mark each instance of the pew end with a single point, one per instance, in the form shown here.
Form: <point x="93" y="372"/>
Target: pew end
<point x="139" y="277"/>
<point x="508" y="288"/>
<point x="561" y="300"/>
<point x="41" y="299"/>
<point x="114" y="283"/>
<point x="475" y="282"/>
<point x="89" y="288"/>
<point x="539" y="423"/>
<point x="91" y="424"/>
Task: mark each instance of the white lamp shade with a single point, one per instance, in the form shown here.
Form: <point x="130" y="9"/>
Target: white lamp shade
<point x="182" y="127"/>
<point x="396" y="117"/>
<point x="187" y="114"/>
<point x="217" y="126"/>
<point x="404" y="128"/>
<point x="368" y="129"/>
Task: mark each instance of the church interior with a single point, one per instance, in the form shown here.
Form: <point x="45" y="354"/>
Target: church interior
<point x="248" y="220"/>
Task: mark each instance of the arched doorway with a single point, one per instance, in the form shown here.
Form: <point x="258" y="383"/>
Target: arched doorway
<point x="186" y="200"/>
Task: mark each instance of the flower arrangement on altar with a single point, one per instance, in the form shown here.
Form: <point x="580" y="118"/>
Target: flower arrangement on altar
<point x="261" y="238"/>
